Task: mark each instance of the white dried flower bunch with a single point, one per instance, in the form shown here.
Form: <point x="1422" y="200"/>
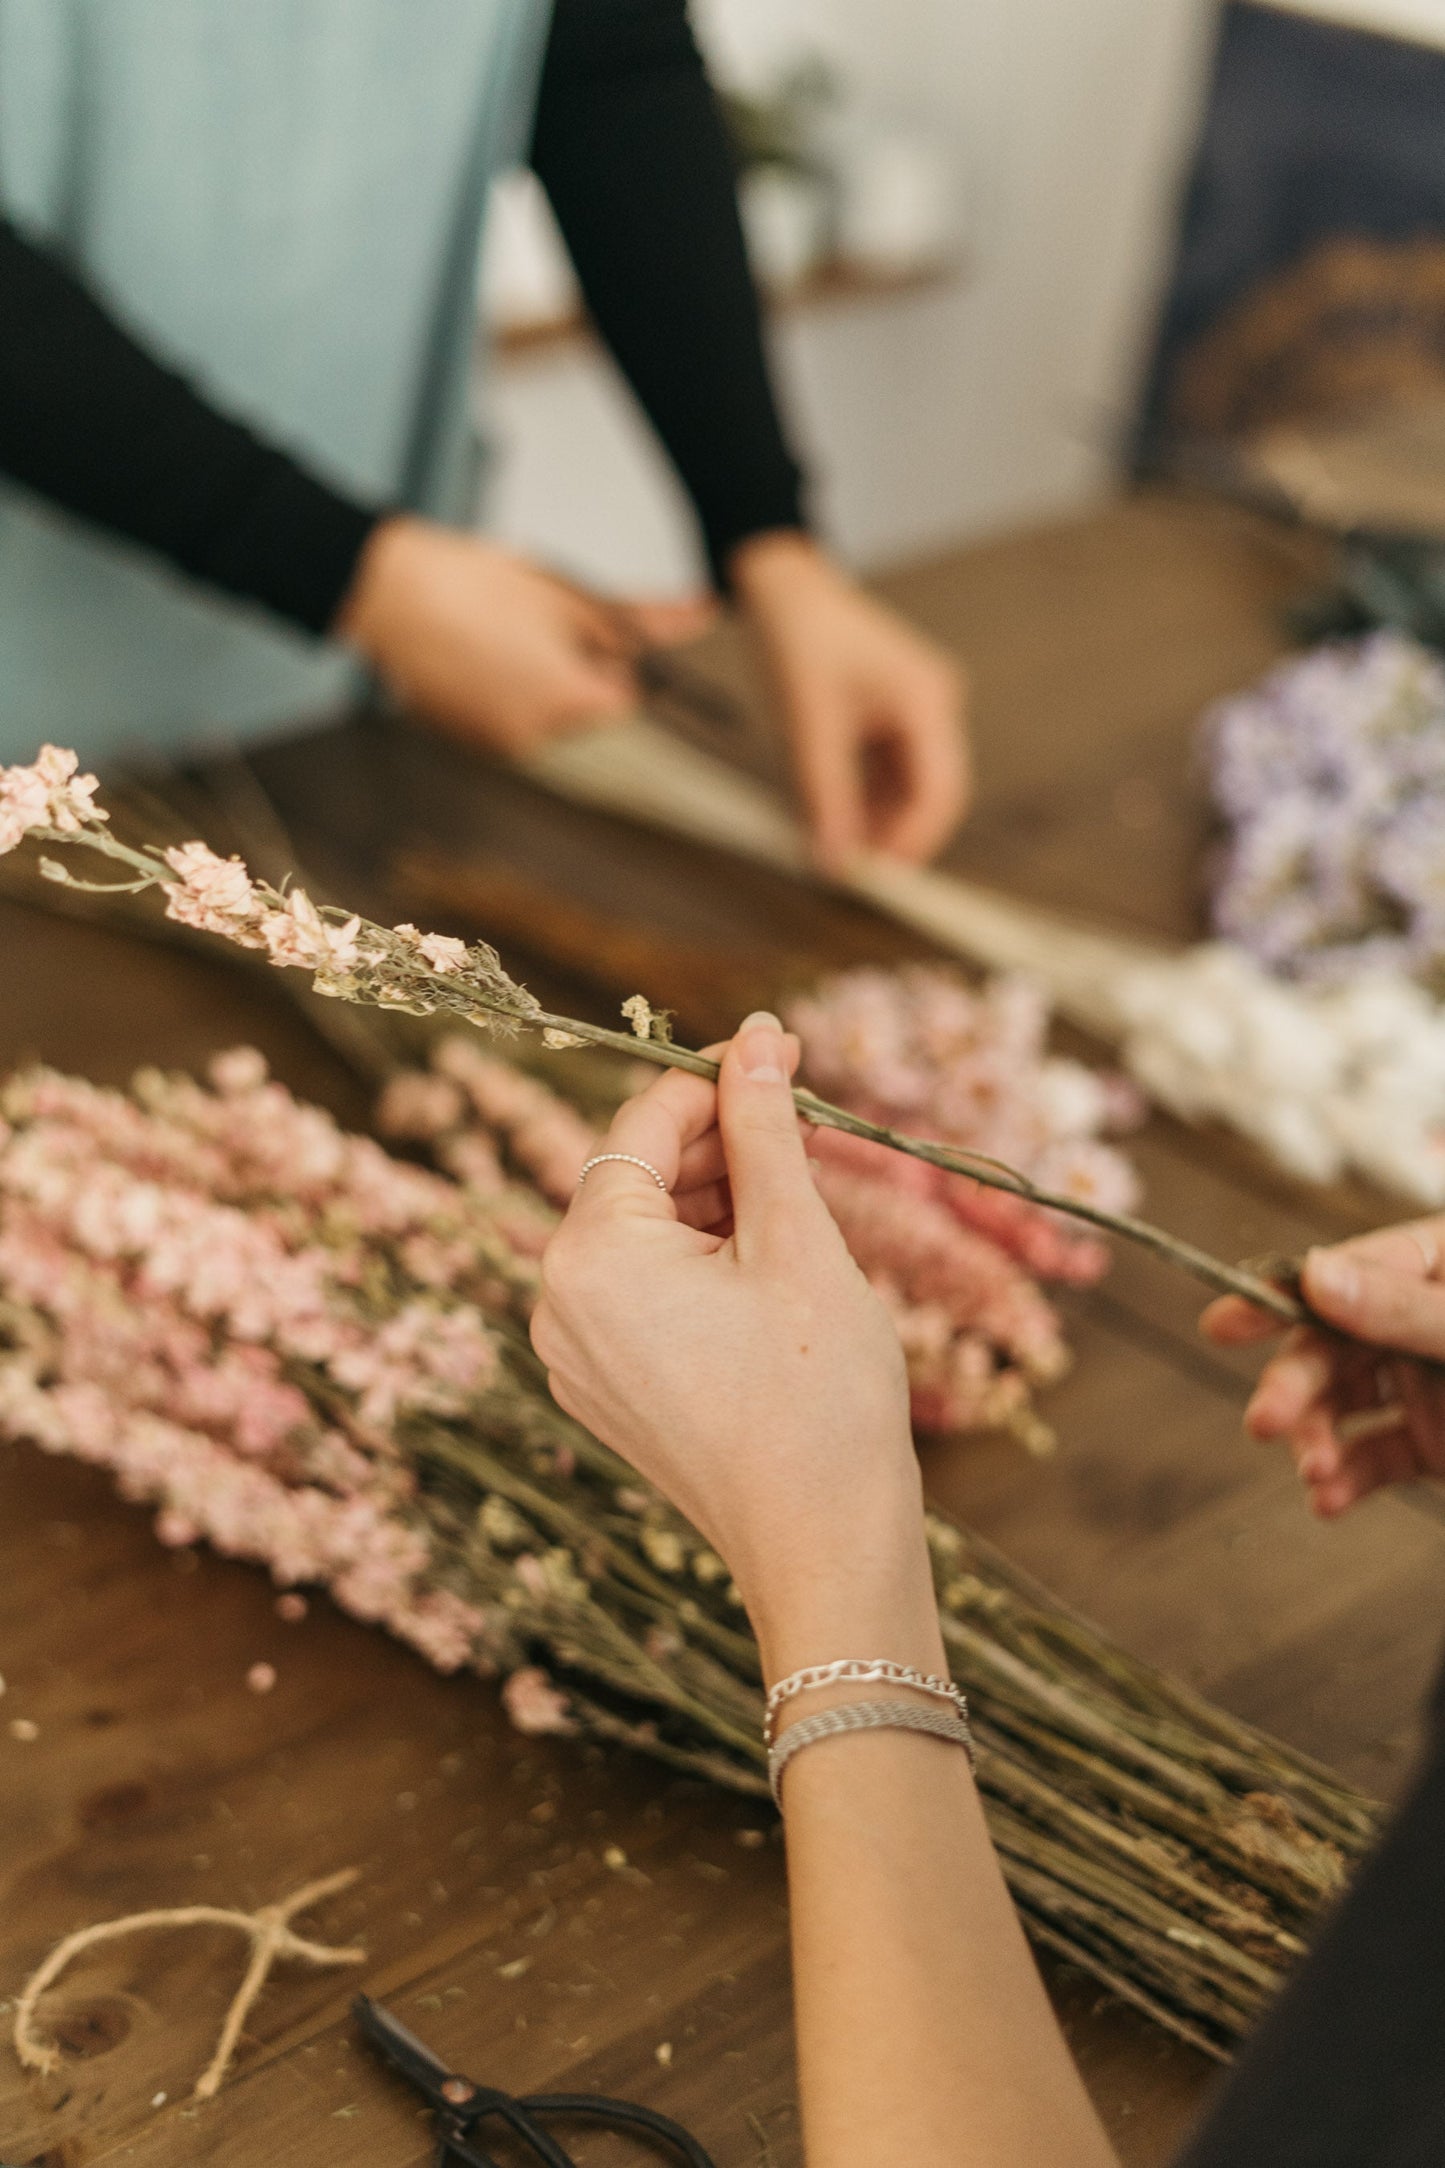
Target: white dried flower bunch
<point x="1324" y="1079"/>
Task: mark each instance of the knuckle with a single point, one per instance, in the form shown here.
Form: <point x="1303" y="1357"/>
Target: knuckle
<point x="576" y="1277"/>
<point x="570" y="1402"/>
<point x="542" y="1332"/>
<point x="558" y="1267"/>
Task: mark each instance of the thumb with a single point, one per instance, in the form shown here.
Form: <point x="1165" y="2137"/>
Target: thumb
<point x="772" y="1186"/>
<point x="1376" y="1302"/>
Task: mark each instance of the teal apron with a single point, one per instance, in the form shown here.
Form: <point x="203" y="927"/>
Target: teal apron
<point x="285" y="199"/>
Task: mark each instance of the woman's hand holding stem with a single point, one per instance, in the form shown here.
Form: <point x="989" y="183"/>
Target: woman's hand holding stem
<point x="723" y="1340"/>
<point x="720" y="1337"/>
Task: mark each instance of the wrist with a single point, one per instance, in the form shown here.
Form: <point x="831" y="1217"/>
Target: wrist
<point x="776" y="560"/>
<point x="364" y="611"/>
<point x="866" y="1591"/>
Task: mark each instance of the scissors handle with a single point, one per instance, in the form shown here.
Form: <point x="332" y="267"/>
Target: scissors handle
<point x="621" y="2114"/>
<point x="461" y="2106"/>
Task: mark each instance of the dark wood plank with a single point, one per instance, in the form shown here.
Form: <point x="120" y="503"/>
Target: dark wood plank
<point x="157" y="1777"/>
<point x="100" y="1005"/>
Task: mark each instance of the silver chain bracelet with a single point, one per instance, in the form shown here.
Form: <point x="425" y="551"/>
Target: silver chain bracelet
<point x="856" y="1671"/>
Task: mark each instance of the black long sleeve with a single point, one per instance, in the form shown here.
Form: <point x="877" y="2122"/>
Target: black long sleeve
<point x="92" y="421"/>
<point x="632" y="150"/>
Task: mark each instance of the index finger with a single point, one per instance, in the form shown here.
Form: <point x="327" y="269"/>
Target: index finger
<point x="1231" y="1321"/>
<point x="656" y="1127"/>
<point x="927" y="733"/>
<point x="826" y="759"/>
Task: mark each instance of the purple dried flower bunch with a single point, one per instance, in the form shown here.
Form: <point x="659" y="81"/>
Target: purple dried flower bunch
<point x="1330" y="778"/>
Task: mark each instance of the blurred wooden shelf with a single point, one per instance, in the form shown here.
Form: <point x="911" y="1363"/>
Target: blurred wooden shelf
<point x="833" y="282"/>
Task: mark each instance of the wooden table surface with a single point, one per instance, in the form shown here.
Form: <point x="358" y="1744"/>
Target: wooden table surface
<point x="491" y="1917"/>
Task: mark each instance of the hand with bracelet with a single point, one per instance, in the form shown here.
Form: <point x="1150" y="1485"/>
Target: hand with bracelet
<point x="702" y="1314"/>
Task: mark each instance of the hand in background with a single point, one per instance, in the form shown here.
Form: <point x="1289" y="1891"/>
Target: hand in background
<point x="490" y="647"/>
<point x="723" y="1340"/>
<point x="875" y="712"/>
<point x="1386" y="1290"/>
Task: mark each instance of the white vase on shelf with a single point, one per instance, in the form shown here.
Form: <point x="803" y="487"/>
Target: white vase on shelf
<point x="896" y="207"/>
<point x="785" y="216"/>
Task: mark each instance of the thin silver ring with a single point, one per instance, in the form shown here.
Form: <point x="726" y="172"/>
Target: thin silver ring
<point x="629" y="1159"/>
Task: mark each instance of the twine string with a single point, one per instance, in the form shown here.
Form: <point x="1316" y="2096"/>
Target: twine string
<point x="268" y="1930"/>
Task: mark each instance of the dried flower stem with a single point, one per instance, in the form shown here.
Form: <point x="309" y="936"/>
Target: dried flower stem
<point x="354" y="959"/>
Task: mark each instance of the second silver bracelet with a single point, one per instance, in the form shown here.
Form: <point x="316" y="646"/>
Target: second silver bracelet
<point x="848" y="1716"/>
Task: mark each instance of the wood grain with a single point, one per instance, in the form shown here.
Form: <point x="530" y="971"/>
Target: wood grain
<point x="492" y="1919"/>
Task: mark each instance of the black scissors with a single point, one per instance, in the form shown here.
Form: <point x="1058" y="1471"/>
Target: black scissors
<point x="461" y="2106"/>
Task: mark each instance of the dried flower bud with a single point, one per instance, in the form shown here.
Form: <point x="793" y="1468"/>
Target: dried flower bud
<point x="665" y="1549"/>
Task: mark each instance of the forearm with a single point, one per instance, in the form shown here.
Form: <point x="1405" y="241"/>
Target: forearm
<point x="633" y="152"/>
<point x="924" y="2033"/>
<point x="94" y="422"/>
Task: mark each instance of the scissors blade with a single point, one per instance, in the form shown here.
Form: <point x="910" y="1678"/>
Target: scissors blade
<point x="403" y="2050"/>
<point x="666" y="679"/>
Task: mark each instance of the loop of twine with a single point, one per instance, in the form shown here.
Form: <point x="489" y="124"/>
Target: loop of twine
<point x="268" y="1929"/>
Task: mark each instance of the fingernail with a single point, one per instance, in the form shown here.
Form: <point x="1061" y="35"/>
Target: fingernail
<point x="1333" y="1275"/>
<point x="760" y="1048"/>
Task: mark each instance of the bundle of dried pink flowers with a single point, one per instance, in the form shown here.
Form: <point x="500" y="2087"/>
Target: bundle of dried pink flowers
<point x="233" y="1306"/>
<point x="312" y="1355"/>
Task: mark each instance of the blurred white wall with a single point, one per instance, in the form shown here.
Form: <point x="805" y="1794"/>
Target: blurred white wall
<point x="944" y="414"/>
